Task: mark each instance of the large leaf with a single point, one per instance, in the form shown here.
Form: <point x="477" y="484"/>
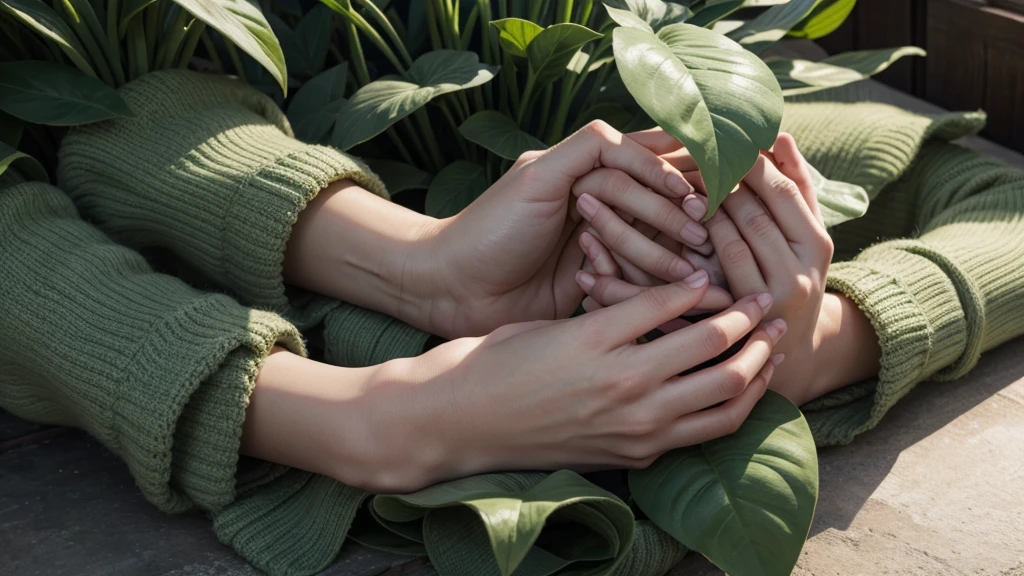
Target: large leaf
<point x="398" y="176"/>
<point x="746" y="500"/>
<point x="305" y="48"/>
<point x="27" y="165"/>
<point x="552" y="50"/>
<point x="515" y="34"/>
<point x="38" y="16"/>
<point x="772" y="25"/>
<point x="823" y="20"/>
<point x="378" y="105"/>
<point x="242" y="23"/>
<point x="499" y="134"/>
<point x="804" y="76"/>
<point x="655" y="13"/>
<point x="490" y="513"/>
<point x="454" y="188"/>
<point x="717" y="98"/>
<point x="314" y="109"/>
<point x="49" y="93"/>
<point x="838" y="201"/>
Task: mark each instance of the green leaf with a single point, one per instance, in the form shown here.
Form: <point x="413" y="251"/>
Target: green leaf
<point x="49" y="93"/>
<point x="552" y="50"/>
<point x="242" y="23"/>
<point x="655" y="13"/>
<point x="717" y="98"/>
<point x="314" y="109"/>
<point x="10" y="129"/>
<point x="838" y="201"/>
<point x="38" y="16"/>
<point x="772" y="25"/>
<point x="499" y="134"/>
<point x="305" y="48"/>
<point x="28" y="166"/>
<point x="627" y="19"/>
<point x="826" y="17"/>
<point x="130" y="9"/>
<point x="713" y="11"/>
<point x="613" y="113"/>
<point x="515" y="35"/>
<point x="746" y="500"/>
<point x="455" y="187"/>
<point x="379" y="104"/>
<point x="490" y="512"/>
<point x="399" y="176"/>
<point x="804" y="76"/>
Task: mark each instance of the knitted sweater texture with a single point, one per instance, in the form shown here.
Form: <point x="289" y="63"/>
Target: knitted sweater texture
<point x="207" y="181"/>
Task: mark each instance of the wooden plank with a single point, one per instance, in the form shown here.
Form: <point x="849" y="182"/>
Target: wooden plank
<point x="885" y="24"/>
<point x="1004" y="95"/>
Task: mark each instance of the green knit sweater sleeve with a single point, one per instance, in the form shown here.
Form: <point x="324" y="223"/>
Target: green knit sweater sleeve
<point x="943" y="285"/>
<point x="208" y="172"/>
<point x="159" y="372"/>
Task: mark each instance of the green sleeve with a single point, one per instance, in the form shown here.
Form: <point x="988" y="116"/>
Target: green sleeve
<point x="208" y="172"/>
<point x="159" y="372"/>
<point x="943" y="294"/>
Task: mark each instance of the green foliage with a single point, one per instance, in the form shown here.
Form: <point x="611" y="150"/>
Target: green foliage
<point x="48" y="93"/>
<point x="803" y="76"/>
<point x="746" y="500"/>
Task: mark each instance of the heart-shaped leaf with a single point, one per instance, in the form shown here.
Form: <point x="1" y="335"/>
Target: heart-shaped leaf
<point x="455" y="187"/>
<point x="39" y="17"/>
<point x="499" y="134"/>
<point x="804" y="76"/>
<point x="745" y="500"/>
<point x="379" y="104"/>
<point x="305" y="48"/>
<point x="515" y="35"/>
<point x="772" y="25"/>
<point x="27" y="165"/>
<point x="552" y="50"/>
<point x="838" y="201"/>
<point x="398" y="176"/>
<point x="655" y="13"/>
<point x="709" y="92"/>
<point x="315" y="107"/>
<point x="627" y="19"/>
<point x="713" y="11"/>
<point x="49" y="93"/>
<point x="242" y="23"/>
<point x="826" y="17"/>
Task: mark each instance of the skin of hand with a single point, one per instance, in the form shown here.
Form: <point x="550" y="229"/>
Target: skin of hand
<point x="769" y="236"/>
<point x="511" y="256"/>
<point x="511" y="401"/>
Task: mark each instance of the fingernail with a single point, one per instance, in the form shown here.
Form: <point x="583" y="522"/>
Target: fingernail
<point x="676" y="183"/>
<point x="697" y="279"/>
<point x="777" y="359"/>
<point x="586" y="242"/>
<point x="586" y="280"/>
<point x="764" y="301"/>
<point x="695" y="206"/>
<point x="694" y="233"/>
<point x="777" y="328"/>
<point x="587" y="205"/>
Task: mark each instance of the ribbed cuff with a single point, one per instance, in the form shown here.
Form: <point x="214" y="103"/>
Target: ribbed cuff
<point x="356" y="337"/>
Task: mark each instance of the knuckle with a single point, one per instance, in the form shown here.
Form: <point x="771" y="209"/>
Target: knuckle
<point x="803" y="288"/>
<point x="598" y="128"/>
<point x="638" y="424"/>
<point x="715" y="339"/>
<point x="527" y="157"/>
<point x="761" y="224"/>
<point x="785" y="187"/>
<point x="658" y="299"/>
<point x="732" y="380"/>
<point x="637" y="453"/>
<point x="734" y="253"/>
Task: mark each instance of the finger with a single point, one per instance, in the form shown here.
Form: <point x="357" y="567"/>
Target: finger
<point x="618" y="190"/>
<point x="624" y="240"/>
<point x="680" y="396"/>
<point x="600" y="258"/>
<point x="703" y="341"/>
<point x="626" y="322"/>
<point x="698" y="427"/>
<point x="696" y="207"/>
<point x="590" y="305"/>
<point x="772" y="252"/>
<point x="567" y="261"/>
<point x="792" y="164"/>
<point x="784" y="201"/>
<point x="609" y="291"/>
<point x="734" y="254"/>
<point x="656" y="140"/>
<point x="598" y="144"/>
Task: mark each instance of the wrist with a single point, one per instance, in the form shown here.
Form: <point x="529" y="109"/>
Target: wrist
<point x="846" y="345"/>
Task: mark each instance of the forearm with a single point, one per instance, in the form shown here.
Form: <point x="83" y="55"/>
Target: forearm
<point x="358" y="247"/>
<point x="846" y="347"/>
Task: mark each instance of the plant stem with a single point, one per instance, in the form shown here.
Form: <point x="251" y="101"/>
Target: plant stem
<point x="152" y="17"/>
<point x="397" y="141"/>
<point x="423" y="119"/>
<point x="85" y="36"/>
<point x="527" y="98"/>
<point x="192" y="36"/>
<point x="564" y="11"/>
<point x="236" y="61"/>
<point x="384" y="23"/>
<point x="167" y="52"/>
<point x="467" y="36"/>
<point x="372" y="35"/>
<point x="355" y="48"/>
<point x="138" y="61"/>
<point x="418" y="145"/>
<point x="113" y="40"/>
<point x="585" y="10"/>
<point x="503" y="8"/>
<point x="435" y="35"/>
<point x="545" y="107"/>
<point x="455" y="127"/>
<point x="211" y="50"/>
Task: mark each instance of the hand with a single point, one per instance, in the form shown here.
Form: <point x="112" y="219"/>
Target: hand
<point x="577" y="393"/>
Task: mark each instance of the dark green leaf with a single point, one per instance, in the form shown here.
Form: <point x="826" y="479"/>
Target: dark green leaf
<point x="515" y="35"/>
<point x="378" y="105"/>
<point x="499" y="134"/>
<point x="746" y="500"/>
<point x="28" y="166"/>
<point x="613" y="113"/>
<point x="552" y="50"/>
<point x="804" y="76"/>
<point x="772" y="25"/>
<point x="130" y="9"/>
<point x="826" y="17"/>
<point x="709" y="92"/>
<point x="49" y="93"/>
<point x="39" y="17"/>
<point x="305" y="48"/>
<point x="242" y="23"/>
<point x="10" y="129"/>
<point x="713" y="11"/>
<point x="399" y="176"/>
<point x="314" y="109"/>
<point x="655" y="13"/>
<point x="454" y="188"/>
